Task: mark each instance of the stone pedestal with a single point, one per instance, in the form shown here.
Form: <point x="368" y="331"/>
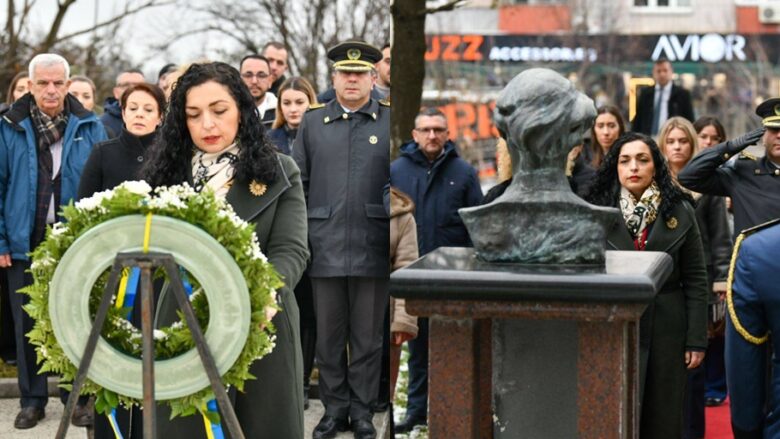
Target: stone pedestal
<point x="532" y="351"/>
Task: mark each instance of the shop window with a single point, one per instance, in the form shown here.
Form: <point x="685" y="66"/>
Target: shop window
<point x="662" y="4"/>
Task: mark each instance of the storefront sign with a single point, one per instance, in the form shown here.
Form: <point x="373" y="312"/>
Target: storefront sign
<point x="706" y="48"/>
<point x="710" y="48"/>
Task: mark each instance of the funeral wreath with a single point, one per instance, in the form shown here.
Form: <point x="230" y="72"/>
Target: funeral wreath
<point x="232" y="290"/>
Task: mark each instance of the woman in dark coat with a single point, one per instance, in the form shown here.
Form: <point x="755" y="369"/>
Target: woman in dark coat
<point x="658" y="216"/>
<point x="211" y="136"/>
<point x="295" y="96"/>
<point x="115" y="161"/>
<point x="118" y="160"/>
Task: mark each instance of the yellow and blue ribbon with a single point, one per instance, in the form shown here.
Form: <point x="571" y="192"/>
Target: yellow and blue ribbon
<point x="213" y="431"/>
<point x="114" y="424"/>
<point x="128" y="287"/>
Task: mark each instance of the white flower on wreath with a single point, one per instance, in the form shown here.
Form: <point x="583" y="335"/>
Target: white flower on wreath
<point x="58" y="229"/>
<point x="167" y="199"/>
<point x="230" y="214"/>
<point x="254" y="250"/>
<point x="183" y="190"/>
<point x="42" y="262"/>
<point x="139" y="187"/>
<point x="95" y="201"/>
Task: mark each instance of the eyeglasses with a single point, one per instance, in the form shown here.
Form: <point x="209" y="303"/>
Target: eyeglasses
<point x="436" y="130"/>
<point x="249" y="75"/>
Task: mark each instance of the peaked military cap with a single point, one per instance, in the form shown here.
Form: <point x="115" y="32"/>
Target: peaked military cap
<point x="769" y="112"/>
<point x="354" y="56"/>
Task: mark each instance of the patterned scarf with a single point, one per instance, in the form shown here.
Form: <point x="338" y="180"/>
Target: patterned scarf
<point x="640" y="214"/>
<point x="48" y="130"/>
<point x="215" y="169"/>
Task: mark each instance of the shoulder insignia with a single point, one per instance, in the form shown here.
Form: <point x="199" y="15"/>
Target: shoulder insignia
<point x="744" y="155"/>
<point x="761" y="226"/>
<point x="384" y="102"/>
<point x="741" y="330"/>
<point x="316" y="106"/>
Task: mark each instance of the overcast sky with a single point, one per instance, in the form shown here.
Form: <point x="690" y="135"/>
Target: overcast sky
<point x="139" y="31"/>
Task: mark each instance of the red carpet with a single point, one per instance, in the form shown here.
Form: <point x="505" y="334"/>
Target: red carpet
<point x="718" y="421"/>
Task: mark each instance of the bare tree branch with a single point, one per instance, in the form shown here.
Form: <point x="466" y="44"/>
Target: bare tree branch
<point x="449" y="6"/>
<point x="116" y="19"/>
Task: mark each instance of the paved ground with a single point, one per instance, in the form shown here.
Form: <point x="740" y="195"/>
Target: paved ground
<point x="9" y="406"/>
<point x="45" y="429"/>
<point x="315" y="412"/>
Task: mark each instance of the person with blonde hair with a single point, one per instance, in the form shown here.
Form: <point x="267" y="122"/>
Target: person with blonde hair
<point x="296" y="95"/>
<point x="678" y="142"/>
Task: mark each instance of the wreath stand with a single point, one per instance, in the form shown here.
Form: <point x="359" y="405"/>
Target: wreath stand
<point x="146" y="262"/>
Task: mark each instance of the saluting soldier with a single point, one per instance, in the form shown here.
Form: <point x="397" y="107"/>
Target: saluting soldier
<point x="343" y="150"/>
<point x="752" y="183"/>
<point x="754" y="312"/>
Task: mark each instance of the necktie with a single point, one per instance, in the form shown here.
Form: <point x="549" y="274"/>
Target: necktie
<point x="656" y="112"/>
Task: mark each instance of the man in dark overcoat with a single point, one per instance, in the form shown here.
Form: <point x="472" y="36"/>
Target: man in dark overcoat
<point x="664" y="100"/>
<point x="343" y="150"/>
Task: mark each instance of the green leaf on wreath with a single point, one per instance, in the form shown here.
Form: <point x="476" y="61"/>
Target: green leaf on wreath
<point x="213" y="417"/>
<point x="111" y="398"/>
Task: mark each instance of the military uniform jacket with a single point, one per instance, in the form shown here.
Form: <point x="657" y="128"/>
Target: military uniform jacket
<point x="754" y="312"/>
<point x="753" y="184"/>
<point x="345" y="164"/>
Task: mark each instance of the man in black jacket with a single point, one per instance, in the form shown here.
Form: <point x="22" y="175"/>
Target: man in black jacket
<point x="256" y="74"/>
<point x="343" y="150"/>
<point x="664" y="100"/>
<point x="276" y="54"/>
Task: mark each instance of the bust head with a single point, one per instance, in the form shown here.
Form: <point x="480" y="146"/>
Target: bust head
<point x="542" y="116"/>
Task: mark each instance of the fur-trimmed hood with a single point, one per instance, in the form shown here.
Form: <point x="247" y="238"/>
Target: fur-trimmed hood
<point x="400" y="203"/>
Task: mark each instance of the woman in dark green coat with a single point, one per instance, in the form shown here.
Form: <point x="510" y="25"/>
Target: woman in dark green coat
<point x="212" y="137"/>
<point x="658" y="216"/>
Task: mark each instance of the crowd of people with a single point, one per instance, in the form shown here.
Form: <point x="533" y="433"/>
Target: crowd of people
<point x="334" y="215"/>
<point x="234" y="130"/>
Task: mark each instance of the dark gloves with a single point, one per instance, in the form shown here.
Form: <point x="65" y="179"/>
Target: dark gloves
<point x="736" y="145"/>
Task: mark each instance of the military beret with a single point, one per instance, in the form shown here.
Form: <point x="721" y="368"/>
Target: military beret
<point x="354" y="56"/>
<point x="769" y="112"/>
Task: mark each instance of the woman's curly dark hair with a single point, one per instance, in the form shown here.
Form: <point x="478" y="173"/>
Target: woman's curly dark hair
<point x="169" y="159"/>
<point x="605" y="190"/>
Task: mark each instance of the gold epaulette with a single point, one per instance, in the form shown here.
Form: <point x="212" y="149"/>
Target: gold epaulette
<point x="730" y="282"/>
<point x="747" y="156"/>
<point x="384" y="102"/>
<point x="315" y="106"/>
<point x="761" y="226"/>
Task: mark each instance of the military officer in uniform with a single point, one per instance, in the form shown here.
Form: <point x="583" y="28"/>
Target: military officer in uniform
<point x="752" y="183"/>
<point x="753" y="299"/>
<point x="343" y="150"/>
